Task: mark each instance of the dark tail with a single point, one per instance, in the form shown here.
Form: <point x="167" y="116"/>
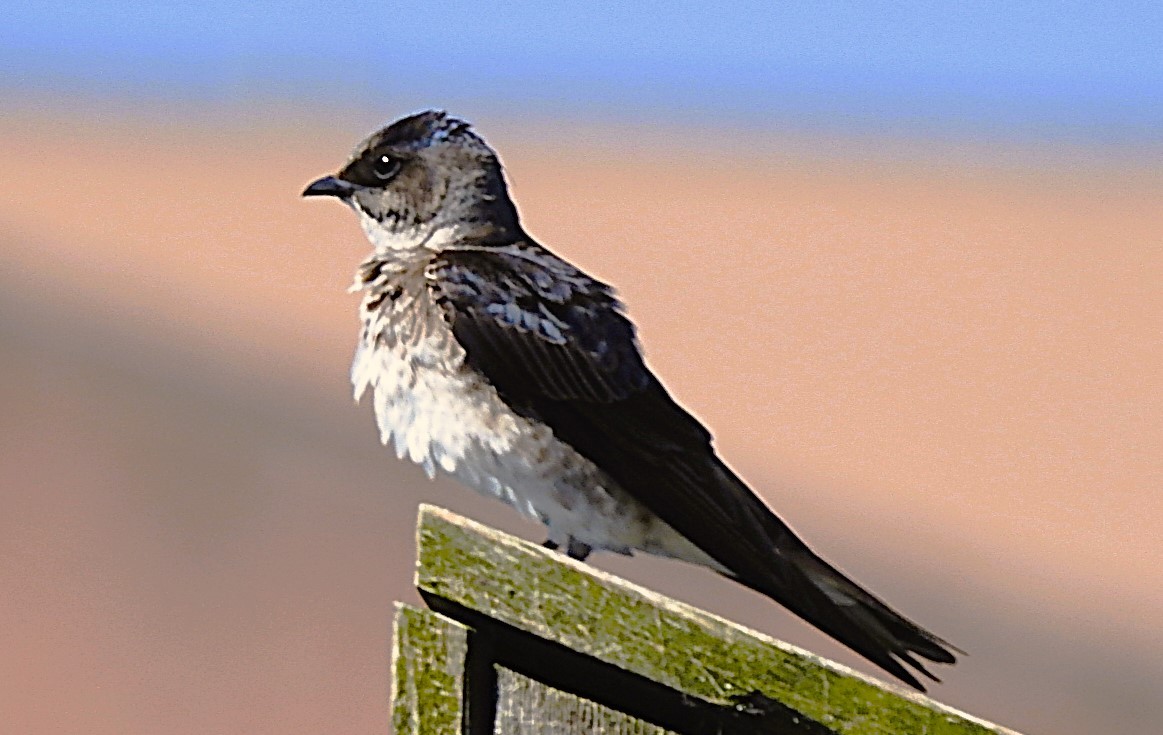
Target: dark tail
<point x="821" y="595"/>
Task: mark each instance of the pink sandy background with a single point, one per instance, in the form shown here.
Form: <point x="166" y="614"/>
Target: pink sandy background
<point x="944" y="369"/>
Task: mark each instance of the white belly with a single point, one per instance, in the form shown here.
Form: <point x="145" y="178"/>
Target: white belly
<point x="444" y="416"/>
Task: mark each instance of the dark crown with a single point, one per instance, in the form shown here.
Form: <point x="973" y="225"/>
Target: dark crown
<point x="419" y="131"/>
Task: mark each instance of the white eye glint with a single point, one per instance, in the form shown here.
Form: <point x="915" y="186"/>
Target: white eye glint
<point x="385" y="168"/>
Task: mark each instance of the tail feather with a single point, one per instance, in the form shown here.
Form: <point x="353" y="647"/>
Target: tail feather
<point x="824" y="597"/>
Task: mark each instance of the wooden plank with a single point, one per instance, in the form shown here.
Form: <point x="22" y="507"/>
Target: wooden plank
<point x="428" y="668"/>
<point x="528" y="707"/>
<point x="689" y="650"/>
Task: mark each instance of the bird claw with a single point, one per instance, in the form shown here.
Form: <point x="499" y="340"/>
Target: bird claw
<point x="578" y="550"/>
<point x="574" y="550"/>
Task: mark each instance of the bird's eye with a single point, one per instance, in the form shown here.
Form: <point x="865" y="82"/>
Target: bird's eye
<point x="385" y="167"/>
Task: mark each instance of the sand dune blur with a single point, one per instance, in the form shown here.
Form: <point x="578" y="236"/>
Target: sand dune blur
<point x="947" y="377"/>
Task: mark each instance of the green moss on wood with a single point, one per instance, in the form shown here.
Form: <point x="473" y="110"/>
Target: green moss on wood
<point x="428" y="661"/>
<point x="664" y="640"/>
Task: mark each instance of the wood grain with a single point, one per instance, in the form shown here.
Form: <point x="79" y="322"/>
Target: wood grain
<point x="689" y="650"/>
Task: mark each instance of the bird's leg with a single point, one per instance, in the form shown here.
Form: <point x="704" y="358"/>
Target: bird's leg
<point x="551" y="544"/>
<point x="577" y="549"/>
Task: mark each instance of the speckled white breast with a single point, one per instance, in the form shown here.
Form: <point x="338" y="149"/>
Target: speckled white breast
<point x="444" y="416"/>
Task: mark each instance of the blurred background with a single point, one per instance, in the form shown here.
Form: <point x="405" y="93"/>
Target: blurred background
<point x="903" y="259"/>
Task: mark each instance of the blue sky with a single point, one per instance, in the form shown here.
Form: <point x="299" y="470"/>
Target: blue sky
<point x="1027" y="70"/>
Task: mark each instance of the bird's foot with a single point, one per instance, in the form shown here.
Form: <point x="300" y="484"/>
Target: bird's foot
<point x="578" y="550"/>
<point x="574" y="550"/>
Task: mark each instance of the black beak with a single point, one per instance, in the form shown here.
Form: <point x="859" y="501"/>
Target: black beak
<point x="329" y="186"/>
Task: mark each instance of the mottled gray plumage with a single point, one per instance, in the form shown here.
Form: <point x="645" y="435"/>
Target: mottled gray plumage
<point x="493" y="360"/>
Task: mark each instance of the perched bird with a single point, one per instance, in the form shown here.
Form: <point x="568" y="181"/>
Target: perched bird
<point x="492" y="359"/>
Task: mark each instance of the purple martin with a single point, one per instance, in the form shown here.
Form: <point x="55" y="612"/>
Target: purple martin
<point x="493" y="360"/>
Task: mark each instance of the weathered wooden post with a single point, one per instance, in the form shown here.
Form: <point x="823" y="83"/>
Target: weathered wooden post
<point x="523" y="641"/>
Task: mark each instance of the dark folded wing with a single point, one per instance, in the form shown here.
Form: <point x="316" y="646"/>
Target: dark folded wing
<point x="555" y="345"/>
<point x="557" y="348"/>
<point x="538" y="328"/>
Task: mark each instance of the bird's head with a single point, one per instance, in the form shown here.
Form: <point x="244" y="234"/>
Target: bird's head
<point x="422" y="173"/>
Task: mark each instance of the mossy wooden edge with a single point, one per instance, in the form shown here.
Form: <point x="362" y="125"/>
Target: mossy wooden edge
<point x="428" y="664"/>
<point x="682" y="647"/>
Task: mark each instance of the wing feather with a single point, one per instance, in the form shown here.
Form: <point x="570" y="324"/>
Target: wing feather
<point x="556" y="346"/>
